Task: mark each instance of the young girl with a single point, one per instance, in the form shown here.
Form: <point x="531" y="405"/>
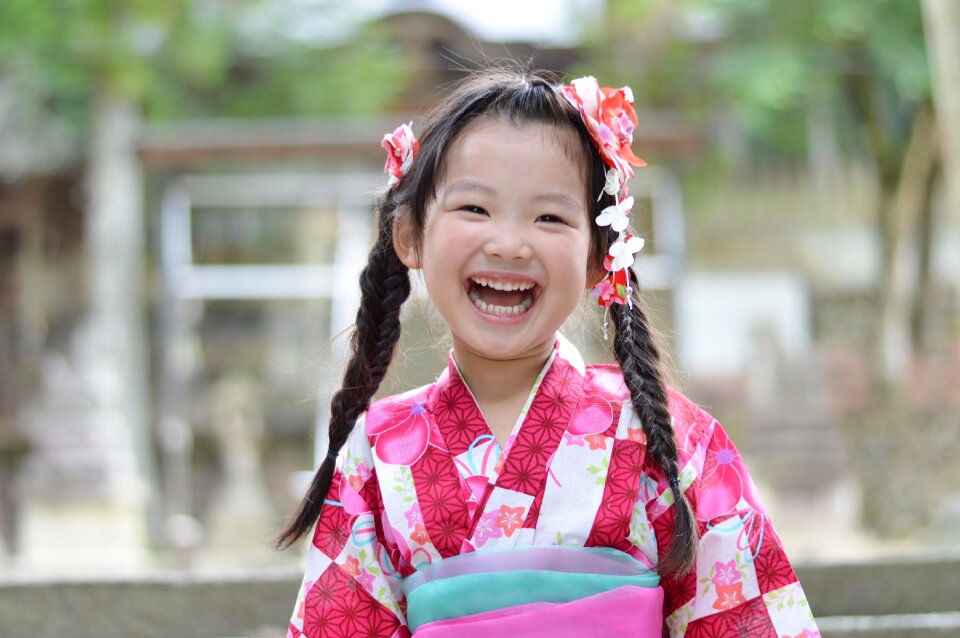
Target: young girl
<point x="525" y="493"/>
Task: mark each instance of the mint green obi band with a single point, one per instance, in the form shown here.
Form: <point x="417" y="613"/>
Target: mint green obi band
<point x="497" y="579"/>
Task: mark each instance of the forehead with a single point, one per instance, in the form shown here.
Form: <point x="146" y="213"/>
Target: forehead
<point x="554" y="140"/>
<point x="534" y="153"/>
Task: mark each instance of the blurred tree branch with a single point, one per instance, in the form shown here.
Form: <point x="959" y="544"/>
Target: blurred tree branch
<point x="942" y="21"/>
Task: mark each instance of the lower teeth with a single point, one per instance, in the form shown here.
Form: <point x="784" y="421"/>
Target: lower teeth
<point x="504" y="311"/>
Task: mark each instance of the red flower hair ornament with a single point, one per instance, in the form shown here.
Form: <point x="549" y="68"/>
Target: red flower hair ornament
<point x="610" y="119"/>
<point x="401" y="147"/>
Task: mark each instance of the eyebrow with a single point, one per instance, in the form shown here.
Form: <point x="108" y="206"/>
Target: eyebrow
<point x="559" y="198"/>
<point x="469" y="185"/>
<point x="473" y="185"/>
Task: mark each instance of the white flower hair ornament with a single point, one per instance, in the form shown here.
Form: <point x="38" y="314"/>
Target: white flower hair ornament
<point x="401" y="147"/>
<point x="610" y="119"/>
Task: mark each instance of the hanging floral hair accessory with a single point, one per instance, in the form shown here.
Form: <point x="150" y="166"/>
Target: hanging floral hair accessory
<point x="401" y="147"/>
<point x="610" y="119"/>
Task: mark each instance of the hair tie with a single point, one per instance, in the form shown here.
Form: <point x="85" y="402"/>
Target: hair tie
<point x="332" y="454"/>
<point x="675" y="482"/>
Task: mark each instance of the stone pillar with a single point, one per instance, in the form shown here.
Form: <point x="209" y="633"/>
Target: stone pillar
<point x="91" y="465"/>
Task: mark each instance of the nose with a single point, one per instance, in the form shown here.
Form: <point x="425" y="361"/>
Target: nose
<point x="507" y="241"/>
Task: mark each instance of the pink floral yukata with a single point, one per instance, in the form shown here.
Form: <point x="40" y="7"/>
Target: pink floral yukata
<point x="423" y="479"/>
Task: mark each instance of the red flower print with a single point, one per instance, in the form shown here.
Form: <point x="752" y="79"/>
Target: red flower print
<point x="636" y="434"/>
<point x="726" y="573"/>
<point x="400" y="430"/>
<point x="807" y="633"/>
<point x="729" y="596"/>
<point x="509" y="519"/>
<point x="419" y="534"/>
<point x="596" y="441"/>
<point x="592" y="417"/>
<point x="352" y="566"/>
<point x="724" y="481"/>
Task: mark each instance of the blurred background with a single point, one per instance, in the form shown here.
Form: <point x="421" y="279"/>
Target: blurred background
<point x="185" y="205"/>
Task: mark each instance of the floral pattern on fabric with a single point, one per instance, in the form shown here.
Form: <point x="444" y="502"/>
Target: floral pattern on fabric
<point x="575" y="472"/>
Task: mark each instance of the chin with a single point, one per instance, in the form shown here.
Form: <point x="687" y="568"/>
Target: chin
<point x="501" y="348"/>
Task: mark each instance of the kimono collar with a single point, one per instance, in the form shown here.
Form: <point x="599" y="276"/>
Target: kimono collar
<point x="562" y="349"/>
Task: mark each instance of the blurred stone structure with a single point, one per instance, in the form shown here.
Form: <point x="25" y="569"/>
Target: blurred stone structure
<point x="70" y="383"/>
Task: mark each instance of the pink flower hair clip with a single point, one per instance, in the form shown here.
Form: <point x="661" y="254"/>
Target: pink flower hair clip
<point x="401" y="147"/>
<point x="610" y="119"/>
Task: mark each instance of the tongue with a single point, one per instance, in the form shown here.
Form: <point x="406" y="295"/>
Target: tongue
<point x="501" y="297"/>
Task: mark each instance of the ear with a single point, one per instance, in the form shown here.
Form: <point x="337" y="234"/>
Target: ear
<point x="594" y="275"/>
<point x="404" y="240"/>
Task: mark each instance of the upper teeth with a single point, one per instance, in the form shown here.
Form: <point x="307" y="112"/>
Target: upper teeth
<point x="502" y="285"/>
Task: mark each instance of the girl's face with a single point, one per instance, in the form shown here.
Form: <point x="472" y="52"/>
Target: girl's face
<point x="506" y="244"/>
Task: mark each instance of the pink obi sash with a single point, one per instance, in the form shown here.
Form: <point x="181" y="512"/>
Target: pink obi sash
<point x="549" y="592"/>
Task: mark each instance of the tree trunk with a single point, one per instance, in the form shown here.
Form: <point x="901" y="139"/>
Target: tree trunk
<point x="891" y="346"/>
<point x="905" y="210"/>
<point x="942" y="21"/>
<point x="942" y="24"/>
<point x="924" y="297"/>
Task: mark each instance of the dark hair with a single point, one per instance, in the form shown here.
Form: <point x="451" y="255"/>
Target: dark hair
<point x="520" y="98"/>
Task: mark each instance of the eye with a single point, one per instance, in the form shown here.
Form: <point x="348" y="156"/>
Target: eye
<point x="479" y="210"/>
<point x="551" y="219"/>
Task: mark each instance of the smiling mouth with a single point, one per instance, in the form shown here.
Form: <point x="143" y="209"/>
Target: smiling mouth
<point x="502" y="298"/>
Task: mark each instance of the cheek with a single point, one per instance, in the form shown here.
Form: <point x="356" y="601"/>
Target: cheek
<point x="586" y="262"/>
<point x="447" y="246"/>
<point x="445" y="239"/>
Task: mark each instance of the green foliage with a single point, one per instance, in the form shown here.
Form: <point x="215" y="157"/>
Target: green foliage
<point x="779" y="57"/>
<point x="359" y="78"/>
<point x="767" y="62"/>
<point x="188" y="58"/>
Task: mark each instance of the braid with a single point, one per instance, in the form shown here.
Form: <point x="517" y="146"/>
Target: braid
<point x="639" y="360"/>
<point x="384" y="286"/>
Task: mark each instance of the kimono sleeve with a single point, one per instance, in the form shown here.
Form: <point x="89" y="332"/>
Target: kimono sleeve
<point x="743" y="583"/>
<point x="350" y="587"/>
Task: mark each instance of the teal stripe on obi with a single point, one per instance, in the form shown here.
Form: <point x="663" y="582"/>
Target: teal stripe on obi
<point x="496" y="579"/>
